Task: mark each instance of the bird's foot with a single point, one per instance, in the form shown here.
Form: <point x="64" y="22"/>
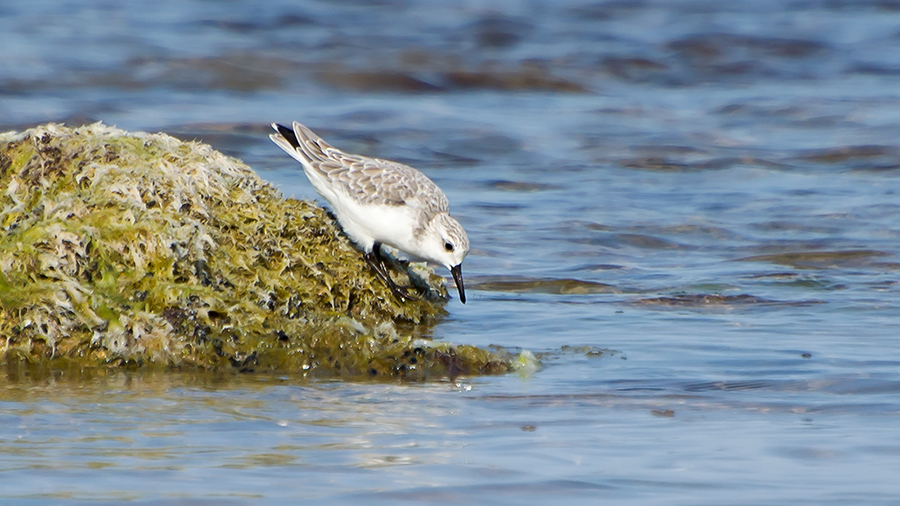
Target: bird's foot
<point x="377" y="264"/>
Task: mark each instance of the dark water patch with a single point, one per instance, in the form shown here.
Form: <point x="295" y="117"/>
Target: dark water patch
<point x="596" y="268"/>
<point x="706" y="48"/>
<point x="873" y="211"/>
<point x="727" y="385"/>
<point x="422" y="59"/>
<point x="819" y="121"/>
<point x="497" y="208"/>
<point x="670" y="150"/>
<point x="887" y="284"/>
<point x="368" y="116"/>
<point x="854" y="5"/>
<point x="680" y="158"/>
<point x="499" y="31"/>
<point x="636" y="69"/>
<point x="386" y="6"/>
<point x="846" y="154"/>
<point x="253" y="71"/>
<point x="820" y="259"/>
<point x="709" y="287"/>
<point x="849" y="386"/>
<point x="243" y="72"/>
<point x="763" y="111"/>
<point x="655" y="163"/>
<point x="628" y="112"/>
<point x="445" y="159"/>
<point x="643" y="241"/>
<point x="871" y="69"/>
<point x="698" y="301"/>
<point x="375" y="80"/>
<point x="564" y="286"/>
<point x="707" y="231"/>
<point x="595" y="226"/>
<point x="646" y="241"/>
<point x="891" y="169"/>
<point x="424" y="70"/>
<point x="249" y="25"/>
<point x="624" y="397"/>
<point x="782" y="116"/>
<point x="669" y="164"/>
<point x="529" y="77"/>
<point x="521" y="186"/>
<point x="703" y="397"/>
<point x="786" y="226"/>
<point x="688" y="229"/>
<point x="728" y="57"/>
<point x="796" y="280"/>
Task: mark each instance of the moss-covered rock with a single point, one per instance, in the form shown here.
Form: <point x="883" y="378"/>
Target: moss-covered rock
<point x="139" y="249"/>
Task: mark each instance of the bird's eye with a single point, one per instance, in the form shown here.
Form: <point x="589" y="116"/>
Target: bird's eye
<point x="448" y="246"/>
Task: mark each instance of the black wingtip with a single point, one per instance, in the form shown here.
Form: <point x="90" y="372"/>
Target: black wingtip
<point x="287" y="133"/>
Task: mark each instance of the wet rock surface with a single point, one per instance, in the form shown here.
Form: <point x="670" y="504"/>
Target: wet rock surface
<point x="134" y="249"/>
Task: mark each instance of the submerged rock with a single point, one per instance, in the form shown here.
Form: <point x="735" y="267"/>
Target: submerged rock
<point x="136" y="249"/>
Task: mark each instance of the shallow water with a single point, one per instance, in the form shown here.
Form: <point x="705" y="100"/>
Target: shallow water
<point x="689" y="211"/>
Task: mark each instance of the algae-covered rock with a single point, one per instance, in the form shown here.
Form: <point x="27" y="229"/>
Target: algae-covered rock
<point x="139" y="249"/>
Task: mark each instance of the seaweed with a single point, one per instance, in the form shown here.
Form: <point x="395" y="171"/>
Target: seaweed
<point x="136" y="250"/>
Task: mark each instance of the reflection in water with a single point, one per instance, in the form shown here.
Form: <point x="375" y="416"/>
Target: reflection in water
<point x="268" y="438"/>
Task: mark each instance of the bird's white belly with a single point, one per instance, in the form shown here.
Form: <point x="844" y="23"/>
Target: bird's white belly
<point x="368" y="223"/>
<point x="390" y="225"/>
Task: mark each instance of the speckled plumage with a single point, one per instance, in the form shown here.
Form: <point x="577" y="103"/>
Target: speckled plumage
<point x="379" y="201"/>
<point x="372" y="180"/>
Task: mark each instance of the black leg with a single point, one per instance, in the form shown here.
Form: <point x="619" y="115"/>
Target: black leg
<point x="376" y="262"/>
<point x="376" y="251"/>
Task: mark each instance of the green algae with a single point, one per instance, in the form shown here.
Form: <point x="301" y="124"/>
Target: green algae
<point x="142" y="251"/>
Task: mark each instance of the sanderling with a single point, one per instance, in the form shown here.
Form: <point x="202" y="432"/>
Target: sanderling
<point x="380" y="202"/>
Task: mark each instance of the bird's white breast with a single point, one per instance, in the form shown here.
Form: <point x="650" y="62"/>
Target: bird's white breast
<point x="393" y="225"/>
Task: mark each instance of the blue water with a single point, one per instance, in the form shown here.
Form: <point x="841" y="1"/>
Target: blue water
<point x="688" y="210"/>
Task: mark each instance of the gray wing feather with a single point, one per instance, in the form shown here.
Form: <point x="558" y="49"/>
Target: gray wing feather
<point x="370" y="180"/>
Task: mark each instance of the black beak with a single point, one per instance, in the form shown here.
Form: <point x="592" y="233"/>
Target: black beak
<point x="456" y="270"/>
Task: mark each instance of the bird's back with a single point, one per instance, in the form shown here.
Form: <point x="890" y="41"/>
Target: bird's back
<point x="368" y="181"/>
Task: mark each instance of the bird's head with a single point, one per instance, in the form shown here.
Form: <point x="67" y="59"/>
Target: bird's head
<point x="445" y="242"/>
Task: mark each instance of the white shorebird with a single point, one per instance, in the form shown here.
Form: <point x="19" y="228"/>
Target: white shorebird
<point x="380" y="202"/>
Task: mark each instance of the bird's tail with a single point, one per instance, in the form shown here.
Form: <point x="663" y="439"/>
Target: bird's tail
<point x="301" y="143"/>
